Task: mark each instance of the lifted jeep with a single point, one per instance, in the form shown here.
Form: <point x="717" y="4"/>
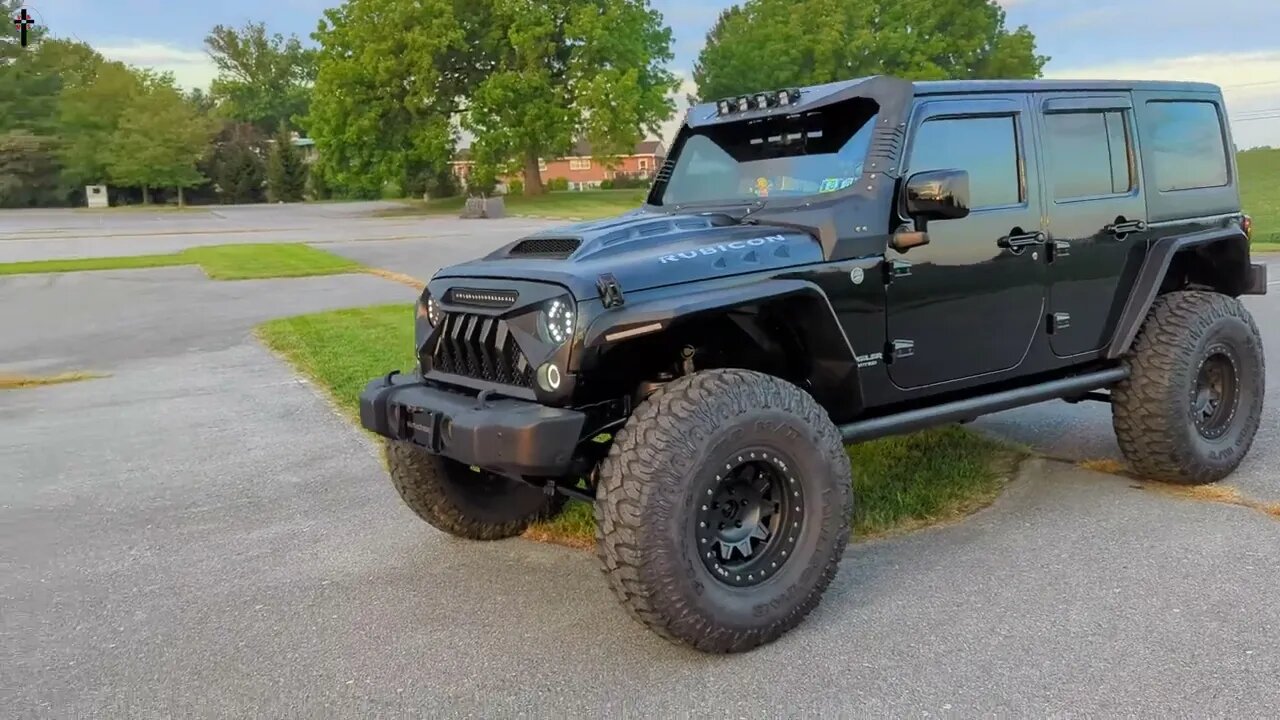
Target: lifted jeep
<point x="821" y="266"/>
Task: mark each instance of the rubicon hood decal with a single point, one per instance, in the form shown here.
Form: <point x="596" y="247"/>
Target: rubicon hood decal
<point x="721" y="248"/>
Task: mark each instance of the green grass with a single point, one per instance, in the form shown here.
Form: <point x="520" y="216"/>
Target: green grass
<point x="1260" y="195"/>
<point x="899" y="483"/>
<point x="585" y="205"/>
<point x="220" y="262"/>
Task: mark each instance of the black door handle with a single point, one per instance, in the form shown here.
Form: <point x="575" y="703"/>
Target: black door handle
<point x="1018" y="241"/>
<point x="1124" y="228"/>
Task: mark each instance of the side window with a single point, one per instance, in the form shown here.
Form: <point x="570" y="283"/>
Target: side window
<point x="1187" y="145"/>
<point x="985" y="146"/>
<point x="1088" y="154"/>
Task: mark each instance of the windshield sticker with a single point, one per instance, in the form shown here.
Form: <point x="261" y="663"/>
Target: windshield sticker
<point x="721" y="248"/>
<point x="834" y="184"/>
<point x="762" y="187"/>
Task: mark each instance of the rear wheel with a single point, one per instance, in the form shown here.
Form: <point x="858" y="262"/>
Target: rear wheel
<point x="467" y="503"/>
<point x="723" y="509"/>
<point x="1192" y="404"/>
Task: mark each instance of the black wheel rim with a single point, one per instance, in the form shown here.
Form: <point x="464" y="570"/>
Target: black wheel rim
<point x="750" y="517"/>
<point x="1215" y="396"/>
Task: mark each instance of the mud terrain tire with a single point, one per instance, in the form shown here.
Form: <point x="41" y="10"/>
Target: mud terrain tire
<point x="1170" y="421"/>
<point x="775" y="460"/>
<point x="462" y="502"/>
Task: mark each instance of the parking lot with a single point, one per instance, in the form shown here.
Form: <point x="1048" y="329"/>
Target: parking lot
<point x="201" y="533"/>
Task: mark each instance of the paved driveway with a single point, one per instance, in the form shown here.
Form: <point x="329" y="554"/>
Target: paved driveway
<point x="200" y="534"/>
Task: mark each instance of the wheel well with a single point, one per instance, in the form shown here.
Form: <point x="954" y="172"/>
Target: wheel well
<point x="1221" y="265"/>
<point x="795" y="338"/>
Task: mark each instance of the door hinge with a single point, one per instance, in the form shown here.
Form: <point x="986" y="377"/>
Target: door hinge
<point x="896" y="269"/>
<point x="900" y="349"/>
<point x="1059" y="248"/>
<point x="1059" y="321"/>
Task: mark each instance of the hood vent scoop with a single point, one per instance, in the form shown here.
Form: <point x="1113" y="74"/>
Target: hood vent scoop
<point x="545" y="247"/>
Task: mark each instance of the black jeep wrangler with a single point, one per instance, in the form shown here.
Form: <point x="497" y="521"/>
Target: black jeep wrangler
<point x="822" y="266"/>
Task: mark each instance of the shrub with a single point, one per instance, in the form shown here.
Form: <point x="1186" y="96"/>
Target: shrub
<point x="515" y="187"/>
<point x="558" y="183"/>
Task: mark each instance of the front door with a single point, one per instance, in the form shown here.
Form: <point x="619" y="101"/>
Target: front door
<point x="1096" y="215"/>
<point x="964" y="305"/>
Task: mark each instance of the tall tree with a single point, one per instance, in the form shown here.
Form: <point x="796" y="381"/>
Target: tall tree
<point x="286" y="173"/>
<point x="88" y="117"/>
<point x="158" y="141"/>
<point x="238" y="168"/>
<point x="388" y="81"/>
<point x="780" y="43"/>
<point x="569" y="69"/>
<point x="262" y="79"/>
<point x="28" y="171"/>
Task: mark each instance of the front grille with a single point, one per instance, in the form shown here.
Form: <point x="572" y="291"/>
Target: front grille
<point x="546" y="247"/>
<point x="483" y="348"/>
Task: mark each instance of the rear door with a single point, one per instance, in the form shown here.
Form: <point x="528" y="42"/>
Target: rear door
<point x="1096" y="214"/>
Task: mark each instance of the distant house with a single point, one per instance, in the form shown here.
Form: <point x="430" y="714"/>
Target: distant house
<point x="307" y="146"/>
<point x="581" y="168"/>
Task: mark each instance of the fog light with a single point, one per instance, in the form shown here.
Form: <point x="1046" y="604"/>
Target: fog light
<point x="549" y="377"/>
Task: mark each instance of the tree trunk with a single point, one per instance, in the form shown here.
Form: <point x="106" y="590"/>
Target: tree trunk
<point x="532" y="176"/>
<point x="182" y="201"/>
<point x="146" y="195"/>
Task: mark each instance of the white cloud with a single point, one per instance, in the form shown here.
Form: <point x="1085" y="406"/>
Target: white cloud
<point x="1250" y="83"/>
<point x="190" y="68"/>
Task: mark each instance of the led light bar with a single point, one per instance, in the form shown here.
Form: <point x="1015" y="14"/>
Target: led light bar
<point x="757" y="101"/>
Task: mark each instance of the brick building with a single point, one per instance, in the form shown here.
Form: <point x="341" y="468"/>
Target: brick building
<point x="581" y="168"/>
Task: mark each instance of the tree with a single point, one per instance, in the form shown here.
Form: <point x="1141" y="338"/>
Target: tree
<point x="568" y="69"/>
<point x="286" y="173"/>
<point x="262" y="79"/>
<point x="765" y="44"/>
<point x="237" y="167"/>
<point x="158" y="141"/>
<point x="28" y="171"/>
<point x="389" y="76"/>
<point x="88" y="117"/>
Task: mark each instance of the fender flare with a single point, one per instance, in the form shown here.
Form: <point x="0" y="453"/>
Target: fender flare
<point x="834" y="371"/>
<point x="1152" y="274"/>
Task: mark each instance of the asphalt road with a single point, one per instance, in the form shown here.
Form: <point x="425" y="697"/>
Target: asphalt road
<point x="201" y="534"/>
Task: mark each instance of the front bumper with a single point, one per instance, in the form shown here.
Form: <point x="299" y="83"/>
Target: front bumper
<point x="506" y="436"/>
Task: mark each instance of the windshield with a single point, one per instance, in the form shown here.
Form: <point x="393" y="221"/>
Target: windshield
<point x="818" y="152"/>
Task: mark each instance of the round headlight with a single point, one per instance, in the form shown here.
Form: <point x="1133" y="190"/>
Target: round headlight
<point x="434" y="314"/>
<point x="557" y="322"/>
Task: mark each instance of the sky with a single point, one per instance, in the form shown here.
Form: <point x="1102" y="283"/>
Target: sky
<point x="1232" y="43"/>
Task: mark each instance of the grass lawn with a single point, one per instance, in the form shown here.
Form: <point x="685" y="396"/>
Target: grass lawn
<point x="1259" y="180"/>
<point x="568" y="205"/>
<point x="899" y="483"/>
<point x="220" y="262"/>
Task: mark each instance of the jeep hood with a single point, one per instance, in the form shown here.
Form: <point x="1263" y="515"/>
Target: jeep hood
<point x="644" y="250"/>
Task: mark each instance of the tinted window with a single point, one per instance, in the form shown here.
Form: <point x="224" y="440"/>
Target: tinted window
<point x="1088" y="154"/>
<point x="987" y="147"/>
<point x="1186" y="145"/>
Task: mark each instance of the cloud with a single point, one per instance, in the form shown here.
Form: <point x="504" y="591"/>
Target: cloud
<point x="190" y="68"/>
<point x="1250" y="83"/>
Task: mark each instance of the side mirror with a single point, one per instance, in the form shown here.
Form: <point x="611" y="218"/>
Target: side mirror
<point x="937" y="195"/>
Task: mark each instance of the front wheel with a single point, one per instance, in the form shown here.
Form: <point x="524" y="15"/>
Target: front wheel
<point x="461" y="501"/>
<point x="723" y="509"/>
<point x="1192" y="404"/>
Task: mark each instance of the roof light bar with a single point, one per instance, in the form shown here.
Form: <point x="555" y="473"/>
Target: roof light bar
<point x="757" y="101"/>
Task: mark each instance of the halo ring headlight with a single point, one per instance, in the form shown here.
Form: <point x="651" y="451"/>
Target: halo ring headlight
<point x="557" y="321"/>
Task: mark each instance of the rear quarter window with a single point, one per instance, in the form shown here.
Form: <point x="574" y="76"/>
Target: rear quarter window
<point x="1187" y="146"/>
